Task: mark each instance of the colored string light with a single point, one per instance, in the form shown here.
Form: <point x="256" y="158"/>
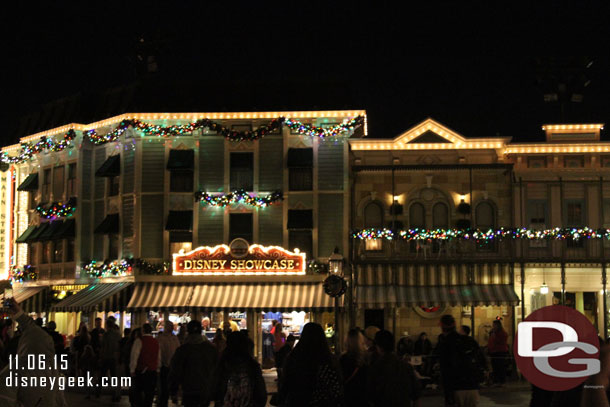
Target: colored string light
<point x="57" y="210"/>
<point x="124" y="267"/>
<point x="233" y="135"/>
<point x="485" y="235"/>
<point x="21" y="274"/>
<point x="28" y="150"/>
<point x="238" y="197"/>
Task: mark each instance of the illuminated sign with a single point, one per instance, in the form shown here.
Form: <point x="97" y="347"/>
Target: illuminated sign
<point x="239" y="258"/>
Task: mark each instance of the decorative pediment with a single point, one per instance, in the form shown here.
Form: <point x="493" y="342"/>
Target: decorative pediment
<point x="429" y="137"/>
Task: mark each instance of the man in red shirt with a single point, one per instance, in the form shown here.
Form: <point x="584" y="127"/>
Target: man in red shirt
<point x="145" y="363"/>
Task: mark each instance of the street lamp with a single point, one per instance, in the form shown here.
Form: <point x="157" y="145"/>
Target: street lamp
<point x="335" y="286"/>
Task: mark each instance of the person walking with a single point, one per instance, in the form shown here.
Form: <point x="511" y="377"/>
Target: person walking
<point x="311" y="375"/>
<point x="145" y="361"/>
<point x="219" y="341"/>
<point x="354" y="368"/>
<point x="77" y="346"/>
<point x="239" y="380"/>
<point x="497" y="347"/>
<point x="423" y="349"/>
<point x="110" y="352"/>
<point x="168" y="343"/>
<point x="369" y="341"/>
<point x="282" y="354"/>
<point x="58" y="340"/>
<point x="391" y="381"/>
<point x="193" y="368"/>
<point x="126" y="357"/>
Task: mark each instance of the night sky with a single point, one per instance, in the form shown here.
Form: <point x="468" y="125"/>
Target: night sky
<point x="65" y="65"/>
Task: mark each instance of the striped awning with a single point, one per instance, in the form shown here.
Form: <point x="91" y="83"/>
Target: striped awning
<point x="31" y="299"/>
<point x="239" y="296"/>
<point x="160" y="296"/>
<point x="403" y="296"/>
<point x="104" y="297"/>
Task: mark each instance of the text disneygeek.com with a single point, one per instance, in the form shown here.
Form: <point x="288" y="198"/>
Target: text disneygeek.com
<point x="60" y="382"/>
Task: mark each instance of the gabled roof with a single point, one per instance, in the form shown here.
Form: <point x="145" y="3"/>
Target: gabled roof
<point x="429" y="135"/>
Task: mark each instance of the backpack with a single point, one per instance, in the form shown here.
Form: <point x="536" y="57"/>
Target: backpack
<point x="239" y="389"/>
<point x="469" y="359"/>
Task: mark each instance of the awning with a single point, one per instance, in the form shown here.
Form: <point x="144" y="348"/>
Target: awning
<point x="35" y="235"/>
<point x="31" y="299"/>
<point x="238" y="296"/>
<point x="30" y="183"/>
<point x="179" y="220"/>
<point x="181" y="160"/>
<point x="379" y="296"/>
<point x="67" y="230"/>
<point x="300" y="219"/>
<point x="110" y="168"/>
<point x="300" y="158"/>
<point x="24" y="236"/>
<point x="110" y="225"/>
<point x="158" y="296"/>
<point x="262" y="297"/>
<point x="104" y="297"/>
<point x="51" y="230"/>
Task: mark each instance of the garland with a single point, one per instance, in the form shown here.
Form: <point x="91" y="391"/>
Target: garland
<point x="478" y="234"/>
<point x="316" y="267"/>
<point x="26" y="273"/>
<point x="28" y="150"/>
<point x="238" y="197"/>
<point x="124" y="267"/>
<point x="150" y="129"/>
<point x="334" y="286"/>
<point x="57" y="210"/>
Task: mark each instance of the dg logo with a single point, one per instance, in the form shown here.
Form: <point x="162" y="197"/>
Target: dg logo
<point x="556" y="348"/>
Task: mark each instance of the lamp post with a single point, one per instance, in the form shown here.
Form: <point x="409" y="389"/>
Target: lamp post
<point x="335" y="270"/>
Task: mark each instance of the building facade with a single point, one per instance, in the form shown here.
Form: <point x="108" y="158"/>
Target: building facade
<point x="110" y="208"/>
<point x="411" y="193"/>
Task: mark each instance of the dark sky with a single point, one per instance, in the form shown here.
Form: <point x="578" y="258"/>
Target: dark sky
<point x="401" y="68"/>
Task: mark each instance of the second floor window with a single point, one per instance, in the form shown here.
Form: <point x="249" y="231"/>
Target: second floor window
<point x="113" y="247"/>
<point x="72" y="180"/>
<point x="47" y="252"/>
<point x="58" y="251"/>
<point x="46" y="185"/>
<point x="240" y="226"/>
<point x="70" y="249"/>
<point x="58" y="183"/>
<point x="180" y="165"/>
<point x="33" y="253"/>
<point x="373" y="218"/>
<point x="242" y="171"/>
<point x="300" y="169"/>
<point x="574" y="218"/>
<point x="485" y="220"/>
<point x="113" y="186"/>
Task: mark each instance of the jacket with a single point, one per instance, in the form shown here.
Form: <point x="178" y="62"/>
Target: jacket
<point x="111" y="349"/>
<point x="193" y="367"/>
<point x="497" y="342"/>
<point x="392" y="382"/>
<point x="249" y="373"/>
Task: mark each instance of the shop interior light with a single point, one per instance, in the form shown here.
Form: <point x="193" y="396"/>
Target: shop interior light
<point x="544" y="289"/>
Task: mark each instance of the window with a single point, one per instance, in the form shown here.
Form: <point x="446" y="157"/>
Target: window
<point x="58" y="183"/>
<point x="47" y="252"/>
<point x="242" y="171"/>
<point x="113" y="247"/>
<point x="485" y="220"/>
<point x="46" y="185"/>
<point x="113" y="186"/>
<point x="180" y="240"/>
<point x="58" y="251"/>
<point x="240" y="226"/>
<point x="33" y="253"/>
<point x="72" y="180"/>
<point x="577" y="161"/>
<point x="181" y="181"/>
<point x="69" y="250"/>
<point x="175" y="247"/>
<point x="417" y="220"/>
<point x="574" y="218"/>
<point x="536" y="162"/>
<point x="536" y="217"/>
<point x="32" y="199"/>
<point x="301" y="179"/>
<point x="373" y="218"/>
<point x="440" y="220"/>
<point x="302" y="240"/>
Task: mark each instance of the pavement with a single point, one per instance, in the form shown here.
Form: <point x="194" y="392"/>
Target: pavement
<point x="514" y="394"/>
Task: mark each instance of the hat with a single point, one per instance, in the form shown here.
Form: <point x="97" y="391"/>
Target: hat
<point x="370" y="332"/>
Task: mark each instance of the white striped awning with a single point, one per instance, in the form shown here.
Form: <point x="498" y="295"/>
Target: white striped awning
<point x="31" y="299"/>
<point x="238" y="296"/>
<point x="158" y="296"/>
<point x="104" y="297"/>
<point x="377" y="296"/>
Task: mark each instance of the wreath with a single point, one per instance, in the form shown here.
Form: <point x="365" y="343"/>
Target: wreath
<point x="335" y="286"/>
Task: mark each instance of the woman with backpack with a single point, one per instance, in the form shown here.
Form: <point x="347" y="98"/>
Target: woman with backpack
<point x="355" y="369"/>
<point x="240" y="380"/>
<point x="311" y="375"/>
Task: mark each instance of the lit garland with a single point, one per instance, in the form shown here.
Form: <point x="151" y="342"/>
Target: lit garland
<point x="26" y="273"/>
<point x="57" y="210"/>
<point x="152" y="269"/>
<point x="28" y="150"/>
<point x="479" y="235"/>
<point x="125" y="267"/>
<point x="248" y="135"/>
<point x="113" y="269"/>
<point x="316" y="267"/>
<point x="238" y="197"/>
